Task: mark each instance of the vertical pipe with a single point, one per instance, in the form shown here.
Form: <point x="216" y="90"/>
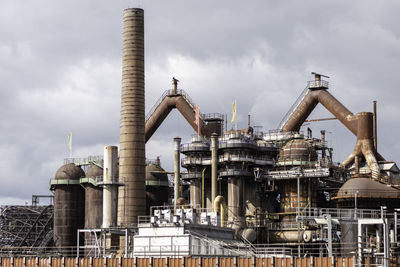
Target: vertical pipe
<point x="375" y="128"/>
<point x="395" y="227"/>
<point x="110" y="187"/>
<point x="233" y="198"/>
<point x="203" y="189"/>
<point x="214" y="166"/>
<point x="323" y="144"/>
<point x="132" y="198"/>
<point x="177" y="152"/>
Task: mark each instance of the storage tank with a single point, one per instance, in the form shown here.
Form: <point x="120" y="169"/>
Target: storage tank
<point x="157" y="188"/>
<point x="297" y="153"/>
<point x="69" y="207"/>
<point x="93" y="198"/>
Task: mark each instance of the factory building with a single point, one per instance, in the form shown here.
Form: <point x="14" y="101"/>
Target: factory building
<point x="238" y="192"/>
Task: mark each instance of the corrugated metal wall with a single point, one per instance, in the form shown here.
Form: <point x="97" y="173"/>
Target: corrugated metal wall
<point x="186" y="262"/>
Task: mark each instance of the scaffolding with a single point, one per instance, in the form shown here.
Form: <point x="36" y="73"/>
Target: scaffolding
<point x="29" y="226"/>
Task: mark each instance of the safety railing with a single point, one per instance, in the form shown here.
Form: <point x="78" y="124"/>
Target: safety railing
<point x="172" y="93"/>
<point x="293" y="107"/>
<point x="344" y="214"/>
<point x="84" y="161"/>
<point x="317" y="84"/>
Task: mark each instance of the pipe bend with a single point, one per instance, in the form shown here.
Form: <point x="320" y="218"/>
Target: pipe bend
<point x="220" y="206"/>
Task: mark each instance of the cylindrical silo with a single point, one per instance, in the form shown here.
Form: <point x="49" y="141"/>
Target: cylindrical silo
<point x="93" y="199"/>
<point x="69" y="207"/>
<point x="93" y="205"/>
<point x="110" y="186"/>
<point x="157" y="188"/>
<point x="132" y="198"/>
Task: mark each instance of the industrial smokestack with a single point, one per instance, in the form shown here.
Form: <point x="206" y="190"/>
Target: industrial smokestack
<point x="132" y="196"/>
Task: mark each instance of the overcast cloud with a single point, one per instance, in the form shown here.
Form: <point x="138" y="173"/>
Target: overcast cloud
<point x="60" y="72"/>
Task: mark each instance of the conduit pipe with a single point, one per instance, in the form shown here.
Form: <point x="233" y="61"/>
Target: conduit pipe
<point x="214" y="166"/>
<point x="364" y="145"/>
<point x="220" y="207"/>
<point x="177" y="161"/>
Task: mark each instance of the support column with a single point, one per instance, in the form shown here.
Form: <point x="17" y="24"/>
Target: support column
<point x="214" y="166"/>
<point x="177" y="172"/>
<point x="110" y="186"/>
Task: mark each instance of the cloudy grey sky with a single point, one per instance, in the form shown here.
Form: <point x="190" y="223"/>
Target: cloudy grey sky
<point x="60" y="71"/>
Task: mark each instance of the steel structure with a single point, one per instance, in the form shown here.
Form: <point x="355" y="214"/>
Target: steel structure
<point x="26" y="226"/>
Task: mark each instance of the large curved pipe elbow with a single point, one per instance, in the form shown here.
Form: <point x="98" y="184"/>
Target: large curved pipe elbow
<point x="220" y="206"/>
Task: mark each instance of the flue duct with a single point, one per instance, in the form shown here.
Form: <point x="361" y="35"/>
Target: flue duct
<point x="132" y="197"/>
<point x="110" y="186"/>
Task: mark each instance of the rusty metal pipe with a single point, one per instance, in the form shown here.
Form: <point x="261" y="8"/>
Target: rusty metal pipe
<point x="301" y="113"/>
<point x="337" y="109"/>
<point x="162" y="111"/>
<point x="159" y="116"/>
<point x="220" y="206"/>
<point x="329" y="102"/>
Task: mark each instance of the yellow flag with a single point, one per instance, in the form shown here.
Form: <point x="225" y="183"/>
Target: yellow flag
<point x="70" y="141"/>
<point x="233" y="112"/>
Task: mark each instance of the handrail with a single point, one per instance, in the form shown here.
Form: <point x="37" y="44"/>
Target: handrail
<point x="294" y="107"/>
<point x="171" y="92"/>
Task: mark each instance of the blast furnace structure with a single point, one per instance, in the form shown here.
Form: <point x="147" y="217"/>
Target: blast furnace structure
<point x="244" y="191"/>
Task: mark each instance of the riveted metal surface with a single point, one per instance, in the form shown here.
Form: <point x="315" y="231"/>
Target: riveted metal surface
<point x="226" y="262"/>
<point x="264" y="262"/>
<point x="56" y="262"/>
<point x="69" y="208"/>
<point x="98" y="262"/>
<point x="112" y="262"/>
<point x="191" y="262"/>
<point x="158" y="262"/>
<point x="142" y="262"/>
<point x="128" y="262"/>
<point x="208" y="262"/>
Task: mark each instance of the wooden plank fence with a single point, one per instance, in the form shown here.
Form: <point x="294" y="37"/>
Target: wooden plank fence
<point x="185" y="262"/>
